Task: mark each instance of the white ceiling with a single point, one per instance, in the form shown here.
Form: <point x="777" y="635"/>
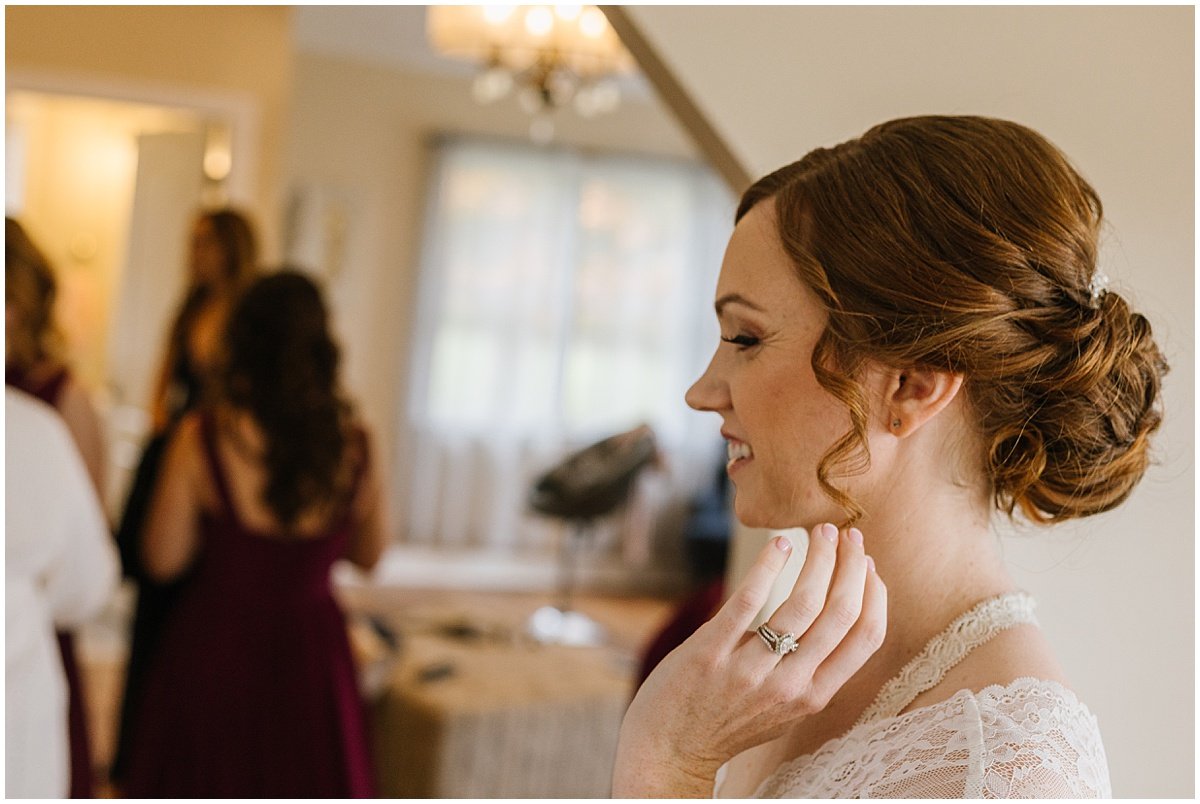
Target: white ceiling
<point x="392" y="36"/>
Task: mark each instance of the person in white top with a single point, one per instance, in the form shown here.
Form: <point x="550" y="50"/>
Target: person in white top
<point x="915" y="335"/>
<point x="60" y="568"/>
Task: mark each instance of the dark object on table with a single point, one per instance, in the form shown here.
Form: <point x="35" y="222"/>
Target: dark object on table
<point x="596" y="480"/>
<point x="435" y="672"/>
<point x="590" y="483"/>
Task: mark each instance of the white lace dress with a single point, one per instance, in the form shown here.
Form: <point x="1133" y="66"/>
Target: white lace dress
<point x="1027" y="739"/>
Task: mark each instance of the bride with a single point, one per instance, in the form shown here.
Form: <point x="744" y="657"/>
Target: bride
<point x="915" y="335"/>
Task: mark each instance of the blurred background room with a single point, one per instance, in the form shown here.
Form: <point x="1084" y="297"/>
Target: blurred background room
<point x="519" y="245"/>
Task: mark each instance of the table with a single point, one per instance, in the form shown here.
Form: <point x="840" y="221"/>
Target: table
<point x="496" y="717"/>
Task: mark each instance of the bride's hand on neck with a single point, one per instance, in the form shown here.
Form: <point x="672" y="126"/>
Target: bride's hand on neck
<point x="725" y="690"/>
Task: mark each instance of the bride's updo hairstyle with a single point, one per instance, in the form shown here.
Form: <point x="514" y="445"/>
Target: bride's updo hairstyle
<point x="969" y="245"/>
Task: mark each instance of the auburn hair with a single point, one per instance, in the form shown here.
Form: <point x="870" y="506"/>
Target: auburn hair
<point x="969" y="245"/>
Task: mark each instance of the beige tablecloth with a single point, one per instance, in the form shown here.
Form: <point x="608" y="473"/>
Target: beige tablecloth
<point x="483" y="719"/>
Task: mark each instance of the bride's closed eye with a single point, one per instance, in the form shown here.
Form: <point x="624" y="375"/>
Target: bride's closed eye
<point x="742" y="341"/>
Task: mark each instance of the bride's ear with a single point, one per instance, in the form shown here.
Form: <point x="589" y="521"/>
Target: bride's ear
<point x="913" y="396"/>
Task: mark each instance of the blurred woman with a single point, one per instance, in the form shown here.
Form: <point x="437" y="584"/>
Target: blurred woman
<point x="34" y="363"/>
<point x="34" y="354"/>
<point x="223" y="256"/>
<point x="60" y="568"/>
<point x="253" y="691"/>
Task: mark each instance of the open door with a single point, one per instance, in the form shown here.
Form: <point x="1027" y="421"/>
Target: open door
<point x="167" y="193"/>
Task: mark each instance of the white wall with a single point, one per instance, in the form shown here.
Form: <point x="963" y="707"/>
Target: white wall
<point x="1113" y="87"/>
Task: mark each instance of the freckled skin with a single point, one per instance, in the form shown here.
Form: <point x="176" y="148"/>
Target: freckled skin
<point x="766" y="393"/>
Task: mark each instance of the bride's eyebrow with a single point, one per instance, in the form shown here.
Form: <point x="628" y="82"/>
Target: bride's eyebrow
<point x="735" y="298"/>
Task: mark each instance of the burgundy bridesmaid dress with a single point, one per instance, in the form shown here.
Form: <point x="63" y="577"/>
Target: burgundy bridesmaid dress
<point x="252" y="692"/>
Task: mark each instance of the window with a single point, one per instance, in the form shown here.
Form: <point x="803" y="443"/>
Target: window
<point x="563" y="297"/>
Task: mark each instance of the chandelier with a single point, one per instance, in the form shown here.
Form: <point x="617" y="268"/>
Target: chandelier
<point x="549" y="57"/>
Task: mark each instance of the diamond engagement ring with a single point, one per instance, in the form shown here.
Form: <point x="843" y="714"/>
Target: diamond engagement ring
<point x="781" y="644"/>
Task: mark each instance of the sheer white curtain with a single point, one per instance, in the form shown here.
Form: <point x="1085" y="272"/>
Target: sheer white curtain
<point x="563" y="297"/>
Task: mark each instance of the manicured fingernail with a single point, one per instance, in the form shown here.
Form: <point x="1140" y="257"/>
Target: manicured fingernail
<point x="870" y="564"/>
<point x="783" y="543"/>
<point x="829" y="532"/>
<point x="855" y="535"/>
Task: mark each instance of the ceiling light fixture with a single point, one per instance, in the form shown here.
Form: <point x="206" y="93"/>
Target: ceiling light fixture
<point x="548" y="56"/>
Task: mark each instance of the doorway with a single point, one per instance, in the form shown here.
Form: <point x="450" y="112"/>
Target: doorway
<point x="107" y="189"/>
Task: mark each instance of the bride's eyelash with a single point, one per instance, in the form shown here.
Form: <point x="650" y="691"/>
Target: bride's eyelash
<point x="741" y="341"/>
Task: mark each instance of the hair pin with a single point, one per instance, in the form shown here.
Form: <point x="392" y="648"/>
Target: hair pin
<point x="1098" y="286"/>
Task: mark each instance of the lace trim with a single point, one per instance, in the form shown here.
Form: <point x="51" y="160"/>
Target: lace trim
<point x="1025" y="725"/>
<point x="947" y="649"/>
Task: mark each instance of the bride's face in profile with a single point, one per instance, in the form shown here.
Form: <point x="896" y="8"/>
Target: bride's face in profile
<point x="777" y="420"/>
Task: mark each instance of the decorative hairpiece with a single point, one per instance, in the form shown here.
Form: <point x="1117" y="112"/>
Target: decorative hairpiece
<point x="1098" y="286"/>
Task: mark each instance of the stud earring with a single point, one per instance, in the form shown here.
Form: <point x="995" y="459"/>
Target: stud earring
<point x="895" y="423"/>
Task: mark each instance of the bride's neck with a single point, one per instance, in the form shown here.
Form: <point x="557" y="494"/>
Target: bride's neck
<point x="935" y="550"/>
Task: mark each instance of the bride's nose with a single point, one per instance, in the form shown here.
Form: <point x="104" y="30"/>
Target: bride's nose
<point x="709" y="392"/>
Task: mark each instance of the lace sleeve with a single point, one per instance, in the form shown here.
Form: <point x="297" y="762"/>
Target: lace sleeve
<point x="1040" y="742"/>
<point x="1029" y="739"/>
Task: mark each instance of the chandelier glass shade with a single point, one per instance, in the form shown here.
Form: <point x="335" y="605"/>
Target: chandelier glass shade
<point x="548" y="56"/>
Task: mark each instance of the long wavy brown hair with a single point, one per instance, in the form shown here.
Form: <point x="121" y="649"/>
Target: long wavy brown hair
<point x="970" y="245"/>
<point x="282" y="367"/>
<point x="31" y="290"/>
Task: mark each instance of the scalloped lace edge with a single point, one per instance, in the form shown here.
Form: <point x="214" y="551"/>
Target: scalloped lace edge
<point x="876" y="729"/>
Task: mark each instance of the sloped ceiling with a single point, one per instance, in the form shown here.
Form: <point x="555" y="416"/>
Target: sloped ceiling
<point x="780" y="80"/>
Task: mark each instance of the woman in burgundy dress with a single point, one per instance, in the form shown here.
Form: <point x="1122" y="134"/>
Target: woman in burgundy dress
<point x="222" y="261"/>
<point x="253" y="692"/>
<point x="34" y="364"/>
